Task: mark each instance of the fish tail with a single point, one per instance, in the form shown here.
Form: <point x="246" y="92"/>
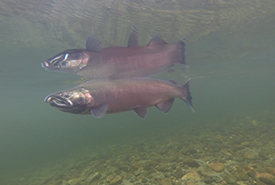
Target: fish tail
<point x="186" y="95"/>
<point x="182" y="52"/>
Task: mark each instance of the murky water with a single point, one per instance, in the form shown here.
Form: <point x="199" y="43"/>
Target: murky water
<point x="230" y="52"/>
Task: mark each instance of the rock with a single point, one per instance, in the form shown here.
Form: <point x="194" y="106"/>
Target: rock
<point x="116" y="180"/>
<point x="165" y="181"/>
<point x="163" y="166"/>
<point x="138" y="172"/>
<point x="126" y="182"/>
<point x="191" y="176"/>
<point x="191" y="162"/>
<point x="178" y="173"/>
<point x="269" y="170"/>
<point x="136" y="165"/>
<point x="230" y="179"/>
<point x="245" y="143"/>
<point x="250" y="154"/>
<point x="93" y="177"/>
<point x="265" y="178"/>
<point x="173" y="158"/>
<point x="217" y="167"/>
<point x="109" y="178"/>
<point x="208" y="179"/>
<point x="71" y="181"/>
<point x="71" y="166"/>
<point x="191" y="150"/>
<point x="144" y="180"/>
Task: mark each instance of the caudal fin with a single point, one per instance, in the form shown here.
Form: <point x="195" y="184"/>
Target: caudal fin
<point x="182" y="52"/>
<point x="186" y="95"/>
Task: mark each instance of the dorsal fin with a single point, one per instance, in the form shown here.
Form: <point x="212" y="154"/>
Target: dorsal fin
<point x="156" y="40"/>
<point x="93" y="43"/>
<point x="133" y="38"/>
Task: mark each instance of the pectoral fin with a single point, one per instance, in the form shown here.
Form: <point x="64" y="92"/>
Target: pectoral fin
<point x="100" y="111"/>
<point x="93" y="43"/>
<point x="165" y="106"/>
<point x="141" y="111"/>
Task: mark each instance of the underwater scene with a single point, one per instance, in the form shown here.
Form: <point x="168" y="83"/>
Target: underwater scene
<point x="137" y="92"/>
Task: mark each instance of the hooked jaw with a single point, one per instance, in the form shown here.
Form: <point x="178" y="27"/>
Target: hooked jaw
<point x="54" y="63"/>
<point x="58" y="101"/>
<point x="69" y="61"/>
<point x="77" y="101"/>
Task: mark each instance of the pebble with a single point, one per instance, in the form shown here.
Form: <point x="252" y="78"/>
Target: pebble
<point x="191" y="150"/>
<point x="270" y="170"/>
<point x="217" y="167"/>
<point x="265" y="178"/>
<point x="93" y="177"/>
<point x="191" y="176"/>
<point x="165" y="181"/>
<point x="191" y="162"/>
<point x="245" y="143"/>
<point x="230" y="179"/>
<point x="250" y="154"/>
<point x="144" y="180"/>
<point x="136" y="165"/>
<point x="178" y="173"/>
<point x="116" y="180"/>
<point x="163" y="166"/>
<point x="138" y="172"/>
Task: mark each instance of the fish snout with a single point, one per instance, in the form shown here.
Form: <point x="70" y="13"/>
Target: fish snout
<point x="45" y="64"/>
<point x="57" y="101"/>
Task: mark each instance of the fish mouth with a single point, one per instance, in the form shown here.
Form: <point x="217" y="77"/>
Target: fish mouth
<point x="45" y="65"/>
<point x="59" y="102"/>
<point x="53" y="62"/>
<point x="49" y="66"/>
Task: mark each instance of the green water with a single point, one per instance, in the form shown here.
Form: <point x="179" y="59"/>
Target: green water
<point x="231" y="62"/>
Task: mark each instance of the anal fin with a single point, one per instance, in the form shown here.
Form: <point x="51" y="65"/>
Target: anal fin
<point x="165" y="106"/>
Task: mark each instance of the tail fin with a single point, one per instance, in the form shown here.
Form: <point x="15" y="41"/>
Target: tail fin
<point x="182" y="52"/>
<point x="186" y="95"/>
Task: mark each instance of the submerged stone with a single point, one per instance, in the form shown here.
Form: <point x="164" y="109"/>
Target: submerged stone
<point x="217" y="167"/>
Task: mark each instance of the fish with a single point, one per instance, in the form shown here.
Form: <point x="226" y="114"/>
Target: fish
<point x="103" y="96"/>
<point x="115" y="62"/>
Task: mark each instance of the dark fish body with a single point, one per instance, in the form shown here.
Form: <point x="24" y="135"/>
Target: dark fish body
<point x="117" y="62"/>
<point x="101" y="96"/>
<point x="121" y="62"/>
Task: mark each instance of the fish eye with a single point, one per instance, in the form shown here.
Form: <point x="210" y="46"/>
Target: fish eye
<point x="65" y="63"/>
<point x="67" y="95"/>
<point x="75" y="56"/>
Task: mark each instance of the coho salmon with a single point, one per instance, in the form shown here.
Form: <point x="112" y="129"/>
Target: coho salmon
<point x="118" y="62"/>
<point x="102" y="96"/>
